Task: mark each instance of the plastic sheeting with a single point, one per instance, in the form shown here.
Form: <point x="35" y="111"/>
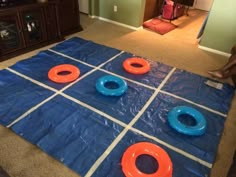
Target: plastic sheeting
<point x="193" y="87"/>
<point x="154" y="77"/>
<point x="78" y="127"/>
<point x="154" y="122"/>
<point x="17" y="96"/>
<point x="38" y="66"/>
<point x="86" y="51"/>
<point x="69" y="132"/>
<point x="182" y="166"/>
<point x="123" y="108"/>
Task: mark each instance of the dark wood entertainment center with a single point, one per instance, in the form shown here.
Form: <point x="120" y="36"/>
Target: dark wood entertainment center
<point x="31" y="25"/>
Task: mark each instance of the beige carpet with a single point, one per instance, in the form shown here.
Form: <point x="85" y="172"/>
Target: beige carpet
<point x="178" y="48"/>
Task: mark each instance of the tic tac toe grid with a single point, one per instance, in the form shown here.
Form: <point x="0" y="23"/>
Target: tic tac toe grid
<point x="89" y="132"/>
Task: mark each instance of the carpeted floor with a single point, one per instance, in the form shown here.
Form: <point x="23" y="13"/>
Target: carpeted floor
<point x="178" y="48"/>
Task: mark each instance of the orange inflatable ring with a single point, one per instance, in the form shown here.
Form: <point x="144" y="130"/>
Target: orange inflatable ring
<point x="55" y="73"/>
<point x="129" y="160"/>
<point x="141" y="68"/>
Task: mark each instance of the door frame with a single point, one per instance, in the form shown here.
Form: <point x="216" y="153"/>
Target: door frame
<point x="87" y="5"/>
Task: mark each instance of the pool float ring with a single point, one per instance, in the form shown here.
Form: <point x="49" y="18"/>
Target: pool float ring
<point x="101" y="86"/>
<point x="144" y="148"/>
<point x="141" y="68"/>
<point x="195" y="130"/>
<point x="55" y="73"/>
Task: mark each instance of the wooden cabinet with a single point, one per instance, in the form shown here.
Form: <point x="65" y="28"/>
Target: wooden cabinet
<point x="11" y="37"/>
<point x="52" y="22"/>
<point x="27" y="27"/>
<point x="69" y="20"/>
<point x="33" y="25"/>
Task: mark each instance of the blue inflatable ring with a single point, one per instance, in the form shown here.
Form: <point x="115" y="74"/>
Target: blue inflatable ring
<point x="100" y="86"/>
<point x="195" y="130"/>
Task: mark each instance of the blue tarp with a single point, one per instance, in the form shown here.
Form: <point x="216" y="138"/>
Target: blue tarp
<point x="78" y="125"/>
<point x="38" y="66"/>
<point x="17" y="96"/>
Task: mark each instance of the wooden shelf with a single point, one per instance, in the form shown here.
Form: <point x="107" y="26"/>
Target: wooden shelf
<point x="33" y="25"/>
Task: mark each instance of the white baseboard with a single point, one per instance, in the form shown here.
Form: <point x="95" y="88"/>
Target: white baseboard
<point x="214" y="51"/>
<point x="116" y="23"/>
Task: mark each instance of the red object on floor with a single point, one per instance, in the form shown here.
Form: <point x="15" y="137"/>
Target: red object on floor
<point x="159" y="26"/>
<point x="168" y="11"/>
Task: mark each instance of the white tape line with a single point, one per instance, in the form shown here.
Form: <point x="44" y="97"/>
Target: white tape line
<point x="100" y="113"/>
<point x="32" y="80"/>
<point x="50" y="88"/>
<point x="44" y="86"/>
<point x="31" y="110"/>
<point x="72" y="58"/>
<point x="62" y="94"/>
<point x="190" y="156"/>
<point x="135" y="130"/>
<point x="77" y="60"/>
<point x="94" y="110"/>
<point x="139" y="83"/>
<point x="122" y="134"/>
<point x="106" y="153"/>
<point x="199" y="105"/>
<point x="99" y="68"/>
<point x="105" y="115"/>
<point x="36" y="106"/>
<point x="90" y="72"/>
<point x="130" y="80"/>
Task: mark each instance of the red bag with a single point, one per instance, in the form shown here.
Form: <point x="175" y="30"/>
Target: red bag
<point x="168" y="13"/>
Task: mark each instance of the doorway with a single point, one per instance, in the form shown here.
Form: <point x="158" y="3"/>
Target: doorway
<point x="84" y="6"/>
<point x="190" y="26"/>
<point x="203" y="4"/>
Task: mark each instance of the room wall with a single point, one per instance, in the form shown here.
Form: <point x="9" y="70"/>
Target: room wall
<point x="129" y="12"/>
<point x="220" y="30"/>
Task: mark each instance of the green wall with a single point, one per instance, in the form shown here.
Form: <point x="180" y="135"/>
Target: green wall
<point x="130" y="12"/>
<point x="220" y="30"/>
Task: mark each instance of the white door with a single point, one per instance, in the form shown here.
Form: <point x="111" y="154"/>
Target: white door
<point x="84" y="6"/>
<point x="203" y="4"/>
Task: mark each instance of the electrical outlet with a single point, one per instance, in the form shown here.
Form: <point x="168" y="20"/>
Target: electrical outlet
<point x="115" y="8"/>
